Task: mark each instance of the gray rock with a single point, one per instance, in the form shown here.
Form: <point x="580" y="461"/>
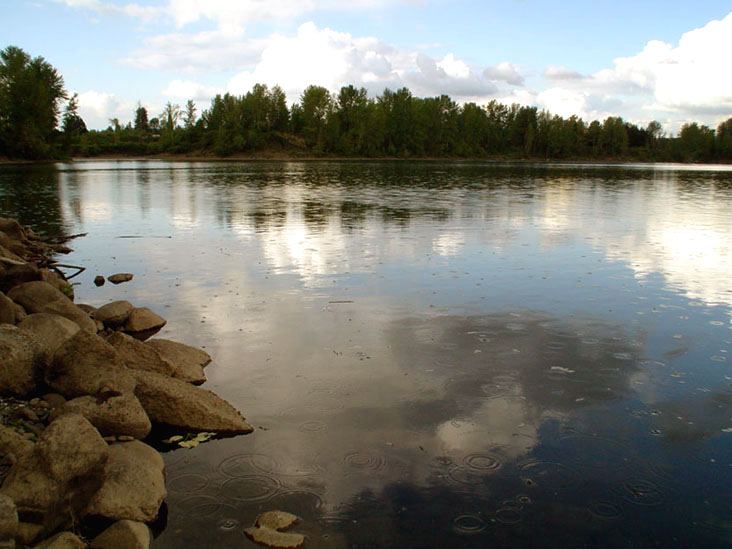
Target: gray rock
<point x="117" y="415"/>
<point x="113" y="314"/>
<point x="125" y="534"/>
<point x="134" y="484"/>
<point x="179" y="404"/>
<point x="20" y="361"/>
<point x="41" y="297"/>
<point x="139" y="356"/>
<point x="51" y="331"/>
<point x="188" y="361"/>
<point x="88" y="365"/>
<point x="119" y="278"/>
<point x="7" y="310"/>
<point x="52" y="485"/>
<point x="143" y="323"/>
<point x="64" y="540"/>
<point x="8" y="521"/>
<point x="12" y="443"/>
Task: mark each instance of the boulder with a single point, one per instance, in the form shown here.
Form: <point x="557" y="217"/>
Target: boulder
<point x="52" y="485"/>
<point x="7" y="310"/>
<point x="116" y="415"/>
<point x="99" y="280"/>
<point x="88" y="309"/>
<point x="63" y="540"/>
<point x="113" y="314"/>
<point x="12" y="228"/>
<point x="51" y="331"/>
<point x="28" y="533"/>
<point x="18" y="274"/>
<point x="20" y="361"/>
<point x="125" y="534"/>
<point x="88" y="365"/>
<point x="6" y="253"/>
<point x="8" y="522"/>
<point x="12" y="443"/>
<point x="177" y="403"/>
<point x="134" y="484"/>
<point x="142" y="323"/>
<point x="57" y="282"/>
<point x="41" y="297"/>
<point x="119" y="278"/>
<point x="188" y="361"/>
<point x="139" y="356"/>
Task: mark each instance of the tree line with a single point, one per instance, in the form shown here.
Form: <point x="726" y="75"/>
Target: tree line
<point x="321" y="123"/>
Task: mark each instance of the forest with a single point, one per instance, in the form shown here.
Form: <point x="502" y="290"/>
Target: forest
<point x="395" y="124"/>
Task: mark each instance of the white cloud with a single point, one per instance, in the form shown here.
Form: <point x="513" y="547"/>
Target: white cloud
<point x="97" y="108"/>
<point x="505" y="72"/>
<point x="561" y="73"/>
<point x="146" y="14"/>
<point x="182" y="90"/>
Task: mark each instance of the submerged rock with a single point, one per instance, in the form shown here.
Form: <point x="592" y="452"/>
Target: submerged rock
<point x="20" y="361"/>
<point x="268" y="530"/>
<point x="41" y="297"/>
<point x="134" y="484"/>
<point x="119" y="278"/>
<point x="177" y="403"/>
<point x="88" y="365"/>
<point x="188" y="361"/>
<point x="142" y="323"/>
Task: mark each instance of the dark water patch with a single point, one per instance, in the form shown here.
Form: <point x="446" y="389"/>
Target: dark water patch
<point x="250" y="488"/>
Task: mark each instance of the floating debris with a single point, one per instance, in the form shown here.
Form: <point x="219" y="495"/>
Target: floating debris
<point x="268" y="530"/>
<point x="190" y="440"/>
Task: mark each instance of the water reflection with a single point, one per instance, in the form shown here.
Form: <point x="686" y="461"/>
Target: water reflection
<point x="435" y="355"/>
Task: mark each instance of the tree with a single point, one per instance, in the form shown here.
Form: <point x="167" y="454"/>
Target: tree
<point x="316" y="105"/>
<point x="30" y="92"/>
<point x="169" y="117"/>
<point x="72" y="124"/>
<point x="141" y="123"/>
<point x="724" y="140"/>
<point x="189" y="119"/>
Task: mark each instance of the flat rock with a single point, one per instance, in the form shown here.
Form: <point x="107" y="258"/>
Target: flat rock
<point x="113" y="314"/>
<point x="51" y="331"/>
<point x="276" y="520"/>
<point x="64" y="540"/>
<point x="20" y="361"/>
<point x="125" y="534"/>
<point x="134" y="484"/>
<point x="188" y="361"/>
<point x="41" y="297"/>
<point x="121" y="415"/>
<point x="119" y="278"/>
<point x="143" y="323"/>
<point x="88" y="365"/>
<point x="140" y="356"/>
<point x="179" y="404"/>
<point x="272" y="538"/>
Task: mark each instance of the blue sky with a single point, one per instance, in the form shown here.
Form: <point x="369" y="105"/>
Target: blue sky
<point x="642" y="60"/>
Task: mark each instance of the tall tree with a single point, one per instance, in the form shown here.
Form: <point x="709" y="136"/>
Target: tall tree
<point x="141" y="123"/>
<point x="72" y="124"/>
<point x="189" y="118"/>
<point x="316" y="105"/>
<point x="30" y="92"/>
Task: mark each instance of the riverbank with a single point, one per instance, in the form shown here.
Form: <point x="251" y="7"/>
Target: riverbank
<point x="81" y="391"/>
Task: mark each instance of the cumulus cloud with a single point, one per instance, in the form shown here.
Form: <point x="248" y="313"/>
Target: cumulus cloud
<point x="505" y="72"/>
<point x="561" y="73"/>
<point x="146" y="14"/>
<point x="97" y="108"/>
<point x="182" y="90"/>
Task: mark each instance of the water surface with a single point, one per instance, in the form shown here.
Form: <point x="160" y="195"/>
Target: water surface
<point x="433" y="354"/>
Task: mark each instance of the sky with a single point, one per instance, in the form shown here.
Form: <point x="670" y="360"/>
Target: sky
<point x="643" y="60"/>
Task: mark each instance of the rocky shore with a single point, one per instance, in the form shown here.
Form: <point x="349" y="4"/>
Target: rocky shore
<point x="80" y="390"/>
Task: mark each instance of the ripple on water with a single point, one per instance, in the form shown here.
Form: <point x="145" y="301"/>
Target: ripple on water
<point x="186" y="484"/>
<point x="482" y="462"/>
<point x="595" y="452"/>
<point x="251" y="488"/>
<point x="247" y="464"/>
<point x="301" y="502"/>
<point x="312" y="427"/>
<point x="547" y="475"/>
<point x="366" y="461"/>
<point x="508" y="515"/>
<point x="606" y="510"/>
<point x="227" y="524"/>
<point x="468" y="524"/>
<point x="640" y="491"/>
<point x="201" y="506"/>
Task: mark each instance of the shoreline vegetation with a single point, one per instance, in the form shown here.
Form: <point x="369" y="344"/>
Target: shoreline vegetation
<point x="323" y="125"/>
<point x="86" y="399"/>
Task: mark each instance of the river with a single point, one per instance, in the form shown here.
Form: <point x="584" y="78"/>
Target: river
<point x="432" y="354"/>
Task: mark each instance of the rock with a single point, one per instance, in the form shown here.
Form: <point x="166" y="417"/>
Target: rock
<point x="54" y="400"/>
<point x="11" y="442"/>
<point x="6" y="253"/>
<point x="134" y="484"/>
<point x="143" y="323"/>
<point x="18" y="274"/>
<point x="119" y="278"/>
<point x="7" y="310"/>
<point x="267" y="530"/>
<point x="51" y="331"/>
<point x="28" y="533"/>
<point x="53" y="484"/>
<point x="20" y="361"/>
<point x="276" y="520"/>
<point x="8" y="522"/>
<point x="88" y="309"/>
<point x="41" y="297"/>
<point x="117" y="415"/>
<point x="57" y="282"/>
<point x="113" y="314"/>
<point x="188" y="361"/>
<point x="125" y="534"/>
<point x="12" y="228"/>
<point x="99" y="280"/>
<point x="139" y="356"/>
<point x="179" y="404"/>
<point x="64" y="540"/>
<point x="88" y="365"/>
